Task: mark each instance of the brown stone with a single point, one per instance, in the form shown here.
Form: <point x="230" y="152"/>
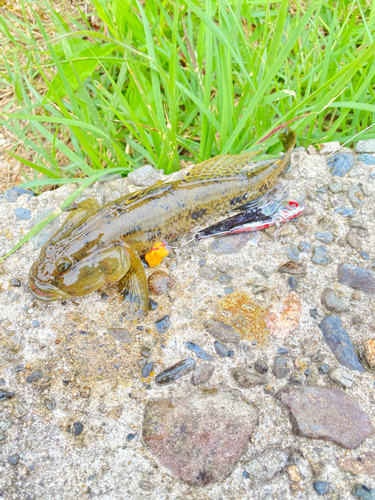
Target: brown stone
<point x="247" y="379"/>
<point x="293" y="268"/>
<point x="353" y="241"/>
<point x="326" y="413"/>
<point x="369" y="346"/>
<point x="202" y="374"/>
<point x="200" y="437"/>
<point x="221" y="332"/>
<point x="364" y="464"/>
<point x="120" y="334"/>
<point x="160" y="282"/>
<point x="283" y="321"/>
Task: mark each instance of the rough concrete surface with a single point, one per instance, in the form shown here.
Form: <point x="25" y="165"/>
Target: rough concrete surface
<point x="74" y="426"/>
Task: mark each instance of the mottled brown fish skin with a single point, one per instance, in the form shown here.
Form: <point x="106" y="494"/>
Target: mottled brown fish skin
<point x="104" y="245"/>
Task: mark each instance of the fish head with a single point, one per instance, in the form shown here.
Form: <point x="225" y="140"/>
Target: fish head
<point x="74" y="267"/>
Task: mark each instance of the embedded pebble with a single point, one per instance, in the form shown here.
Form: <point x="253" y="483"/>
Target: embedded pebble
<point x="367" y="159"/>
<point x="202" y="374"/>
<point x="160" y="282"/>
<point x="207" y="273"/>
<point x="221" y="332"/>
<point x="4" y="395"/>
<point x="120" y="334"/>
<point x="335" y="187"/>
<point x="13" y="459"/>
<point x="199" y="351"/>
<point x="15" y="282"/>
<point x="173" y="430"/>
<point x="145" y="176"/>
<point x="365" y="146"/>
<point x="261" y="366"/>
<point x="266" y="465"/>
<point x="369" y="352"/>
<point x="147" y="369"/>
<point x="292" y="283"/>
<point x="353" y="241"/>
<point x="78" y="428"/>
<point x="280" y="367"/>
<point x="323" y="369"/>
<point x="322" y="487"/>
<point x="261" y="271"/>
<point x="342" y="377"/>
<point x="309" y="347"/>
<point x="175" y="372"/>
<point x="227" y="245"/>
<point x="163" y="324"/>
<point x="329" y="147"/>
<point x="35" y="376"/>
<point x="305" y="247"/>
<point x="325" y="238"/>
<point x="293" y="254"/>
<point x="293" y="268"/>
<point x="222" y="350"/>
<point x="314" y="313"/>
<point x="361" y="491"/>
<point x="356" y="277"/>
<point x="326" y="413"/>
<point x="332" y="301"/>
<point x="283" y="320"/>
<point x="146" y="352"/>
<point x="363" y="464"/>
<point x="13" y="193"/>
<point x="355" y="197"/>
<point x="320" y="256"/>
<point x="247" y="379"/>
<point x="338" y="340"/>
<point x="340" y="163"/>
<point x="22" y="213"/>
<point x="345" y="212"/>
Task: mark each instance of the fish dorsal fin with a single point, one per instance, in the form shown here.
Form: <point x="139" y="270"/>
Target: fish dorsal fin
<point x="222" y="166"/>
<point x="143" y="194"/>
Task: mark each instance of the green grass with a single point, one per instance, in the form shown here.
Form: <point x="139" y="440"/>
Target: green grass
<point x="169" y="81"/>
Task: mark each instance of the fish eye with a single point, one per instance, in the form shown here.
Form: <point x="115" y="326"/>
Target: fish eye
<point x="63" y="265"/>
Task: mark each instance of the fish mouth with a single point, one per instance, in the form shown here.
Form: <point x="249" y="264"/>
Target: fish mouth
<point x="44" y="291"/>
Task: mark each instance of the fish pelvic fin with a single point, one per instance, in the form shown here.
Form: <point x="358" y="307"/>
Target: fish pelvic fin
<point x="134" y="287"/>
<point x="223" y="166"/>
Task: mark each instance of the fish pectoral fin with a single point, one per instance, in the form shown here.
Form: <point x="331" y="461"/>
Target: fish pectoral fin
<point x="223" y="166"/>
<point x="134" y="287"/>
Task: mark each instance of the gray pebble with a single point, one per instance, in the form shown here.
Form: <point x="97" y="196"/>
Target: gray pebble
<point x="361" y="491"/>
<point x="314" y="313"/>
<point x="208" y="273"/>
<point x="280" y="367"/>
<point x="365" y="146"/>
<point x="367" y="159"/>
<point x="202" y="374"/>
<point x="293" y="253"/>
<point x="2" y="382"/>
<point x="35" y="323"/>
<point x="345" y="212"/>
<point x="22" y="213"/>
<point x="261" y="271"/>
<point x="323" y="369"/>
<point x="342" y="377"/>
<point x="292" y="282"/>
<point x="335" y="187"/>
<point x="163" y="324"/>
<point x="320" y="256"/>
<point x="326" y="238"/>
<point x="15" y="282"/>
<point x="355" y="197"/>
<point x="78" y="428"/>
<point x="146" y="352"/>
<point x="353" y="241"/>
<point x="147" y="369"/>
<point x="13" y="459"/>
<point x="356" y="320"/>
<point x="246" y="378"/>
<point x="340" y="163"/>
<point x="35" y="376"/>
<point x="305" y="247"/>
<point x="120" y="334"/>
<point x="261" y="367"/>
<point x="322" y="487"/>
<point x="332" y="301"/>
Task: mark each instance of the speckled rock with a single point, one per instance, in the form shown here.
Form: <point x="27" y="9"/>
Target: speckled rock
<point x="227" y="245"/>
<point x="342" y="376"/>
<point x="353" y="241"/>
<point x="356" y="277"/>
<point x="365" y="146"/>
<point x="202" y="374"/>
<point x="367" y="159"/>
<point x="337" y="339"/>
<point x="355" y="196"/>
<point x="221" y="332"/>
<point x="173" y="431"/>
<point x="369" y="351"/>
<point x="280" y="367"/>
<point x="293" y="268"/>
<point x="361" y="491"/>
<point x="246" y="378"/>
<point x="324" y="237"/>
<point x="320" y="256"/>
<point x="332" y="301"/>
<point x="145" y="176"/>
<point x="363" y="464"/>
<point x="340" y="164"/>
<point x="283" y="320"/>
<point x="266" y="465"/>
<point x="160" y="282"/>
<point x="120" y="334"/>
<point x="326" y="413"/>
<point x="327" y="148"/>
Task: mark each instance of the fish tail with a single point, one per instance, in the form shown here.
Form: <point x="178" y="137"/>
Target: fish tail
<point x="288" y="138"/>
